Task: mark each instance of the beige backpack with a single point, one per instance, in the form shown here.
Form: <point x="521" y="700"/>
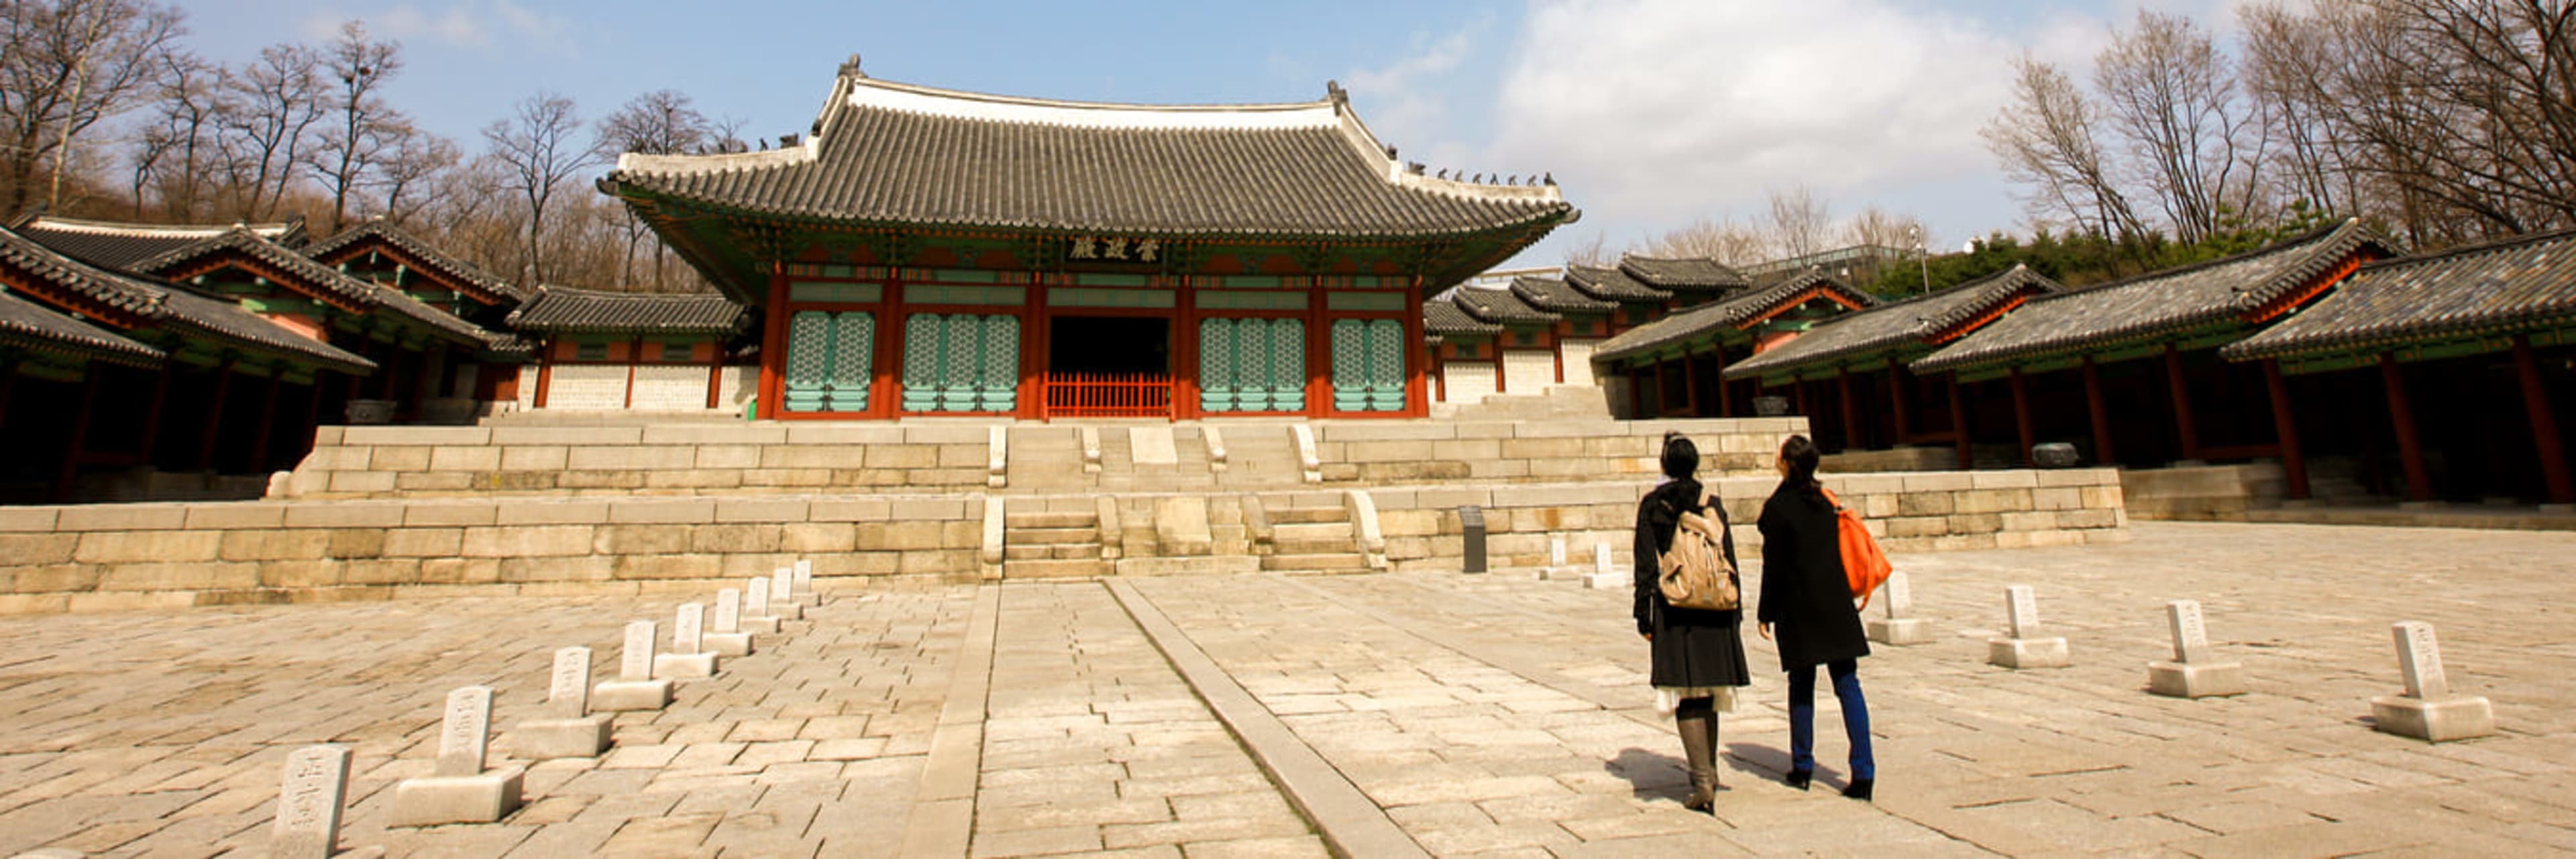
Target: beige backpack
<point x="1694" y="573"/>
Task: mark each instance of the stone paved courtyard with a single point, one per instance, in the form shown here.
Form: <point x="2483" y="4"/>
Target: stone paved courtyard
<point x="1494" y="715"/>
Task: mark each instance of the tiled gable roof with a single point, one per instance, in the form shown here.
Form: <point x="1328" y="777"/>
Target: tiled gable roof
<point x="2159" y="303"/>
<point x="1611" y="284"/>
<point x="557" y="309"/>
<point x="349" y="242"/>
<point x="169" y="305"/>
<point x="29" y="325"/>
<point x="2495" y="288"/>
<point x="1498" y="306"/>
<point x="1440" y="317"/>
<point x="1753" y="304"/>
<point x="1913" y="320"/>
<point x="1548" y="293"/>
<point x="1697" y="275"/>
<point x="364" y="295"/>
<point x="895" y="153"/>
<point x="117" y="245"/>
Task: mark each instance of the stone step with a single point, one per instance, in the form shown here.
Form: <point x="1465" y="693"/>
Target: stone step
<point x="1315" y="563"/>
<point x="1311" y="546"/>
<point x="1306" y="531"/>
<point x="1212" y="565"/>
<point x="1055" y="569"/>
<point x="1017" y="536"/>
<point x="1299" y="515"/>
<point x="1051" y="520"/>
<point x="1050" y="551"/>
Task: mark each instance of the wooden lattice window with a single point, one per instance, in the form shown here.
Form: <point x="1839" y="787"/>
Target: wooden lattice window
<point x="1252" y="365"/>
<point x="961" y="363"/>
<point x="831" y="361"/>
<point x="1368" y="365"/>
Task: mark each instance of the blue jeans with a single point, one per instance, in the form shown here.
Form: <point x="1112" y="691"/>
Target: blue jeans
<point x="1802" y="717"/>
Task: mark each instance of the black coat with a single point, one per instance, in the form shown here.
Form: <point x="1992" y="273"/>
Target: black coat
<point x="1805" y="596"/>
<point x="1692" y="647"/>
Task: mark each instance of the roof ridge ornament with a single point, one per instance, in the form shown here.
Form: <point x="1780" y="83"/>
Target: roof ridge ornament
<point x="850" y="67"/>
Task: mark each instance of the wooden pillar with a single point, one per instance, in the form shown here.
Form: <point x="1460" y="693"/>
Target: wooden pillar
<point x="2285" y="423"/>
<point x="715" y="379"/>
<point x="2100" y="413"/>
<point x="1851" y="416"/>
<point x="773" y="348"/>
<point x="1959" y="426"/>
<point x="1798" y="391"/>
<point x="1725" y="397"/>
<point x="267" y="420"/>
<point x="2185" y="428"/>
<point x="1896" y="402"/>
<point x="2544" y="424"/>
<point x="80" y="434"/>
<point x="1690" y="384"/>
<point x="2021" y="418"/>
<point x="1417" y="373"/>
<point x="152" y="413"/>
<point x="1661" y="408"/>
<point x="392" y="365"/>
<point x="312" y="417"/>
<point x="634" y="358"/>
<point x="2410" y="449"/>
<point x="546" y="374"/>
<point x="215" y="416"/>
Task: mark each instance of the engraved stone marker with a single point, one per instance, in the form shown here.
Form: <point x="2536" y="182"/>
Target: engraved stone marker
<point x="1556" y="551"/>
<point x="1898" y="626"/>
<point x="465" y="732"/>
<point x="2420" y="660"/>
<point x="804" y="579"/>
<point x="309" y="803"/>
<point x="781" y="582"/>
<point x="1898" y="594"/>
<point x="687" y="632"/>
<point x="2021" y="609"/>
<point x="758" y="595"/>
<point x="728" y="611"/>
<point x="569" y="697"/>
<point x="1601" y="557"/>
<point x="2190" y="633"/>
<point x="635" y="662"/>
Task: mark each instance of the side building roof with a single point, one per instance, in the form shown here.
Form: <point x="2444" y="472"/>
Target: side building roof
<point x="118" y="245"/>
<point x="1683" y="274"/>
<point x="1611" y="284"/>
<point x="2487" y="290"/>
<point x="1552" y="294"/>
<point x="1441" y="318"/>
<point x="1913" y="321"/>
<point x="562" y="310"/>
<point x="1753" y="305"/>
<point x="28" y="325"/>
<point x="279" y="263"/>
<point x="1498" y="306"/>
<point x="2164" y="303"/>
<point x="383" y="236"/>
<point x="162" y="304"/>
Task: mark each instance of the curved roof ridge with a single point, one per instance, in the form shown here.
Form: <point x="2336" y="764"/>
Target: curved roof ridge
<point x="129" y="228"/>
<point x="2489" y="246"/>
<point x="897" y="95"/>
<point x="2283" y="246"/>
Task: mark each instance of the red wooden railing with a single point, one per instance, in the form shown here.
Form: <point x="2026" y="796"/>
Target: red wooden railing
<point x="1108" y="395"/>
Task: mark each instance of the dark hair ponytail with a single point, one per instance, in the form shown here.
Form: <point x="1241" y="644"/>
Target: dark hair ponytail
<point x="1681" y="456"/>
<point x="1802" y="456"/>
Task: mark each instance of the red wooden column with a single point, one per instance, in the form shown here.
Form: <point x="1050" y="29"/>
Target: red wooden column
<point x="2285" y="423"/>
<point x="2021" y="417"/>
<point x="267" y="420"/>
<point x="2544" y="424"/>
<point x="215" y="416"/>
<point x="2410" y="449"/>
<point x="2100" y="414"/>
<point x="773" y="348"/>
<point x="1959" y="426"/>
<point x="1725" y="396"/>
<point x="2185" y="428"/>
<point x="634" y="357"/>
<point x="1661" y="408"/>
<point x="1896" y="401"/>
<point x="546" y="373"/>
<point x="1851" y="416"/>
<point x="1798" y="390"/>
<point x="1690" y="384"/>
<point x="152" y="413"/>
<point x="80" y="433"/>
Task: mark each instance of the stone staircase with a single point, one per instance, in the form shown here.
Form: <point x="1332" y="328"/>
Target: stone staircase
<point x="1309" y="540"/>
<point x="1052" y="545"/>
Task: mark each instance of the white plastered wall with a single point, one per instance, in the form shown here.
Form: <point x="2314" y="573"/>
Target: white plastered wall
<point x="1528" y="371"/>
<point x="740" y="383"/>
<point x="1467" y="382"/>
<point x="670" y="388"/>
<point x="587" y="387"/>
<point x="1578" y="359"/>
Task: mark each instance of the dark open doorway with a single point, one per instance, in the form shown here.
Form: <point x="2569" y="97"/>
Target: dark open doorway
<point x="1109" y="345"/>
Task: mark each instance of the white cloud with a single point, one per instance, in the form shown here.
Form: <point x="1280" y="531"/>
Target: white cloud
<point x="1408" y="102"/>
<point x="475" y="24"/>
<point x="1664" y="110"/>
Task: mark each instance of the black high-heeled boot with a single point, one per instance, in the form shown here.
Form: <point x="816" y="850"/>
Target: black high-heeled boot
<point x="1799" y="778"/>
<point x="1860" y="788"/>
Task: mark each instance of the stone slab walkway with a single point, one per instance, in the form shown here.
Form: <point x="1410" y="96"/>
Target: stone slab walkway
<point x="1493" y="715"/>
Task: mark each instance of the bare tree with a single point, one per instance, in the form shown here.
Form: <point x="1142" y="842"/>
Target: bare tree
<point x="66" y="65"/>
<point x="2287" y="55"/>
<point x="661" y="122"/>
<point x="2048" y="142"/>
<point x="2171" y="97"/>
<point x="362" y="122"/>
<point x="1725" y="241"/>
<point x="538" y="151"/>
<point x="1800" y="223"/>
<point x="408" y="159"/>
<point x="1882" y="228"/>
<point x="1590" y="254"/>
<point x="175" y="153"/>
<point x="272" y="105"/>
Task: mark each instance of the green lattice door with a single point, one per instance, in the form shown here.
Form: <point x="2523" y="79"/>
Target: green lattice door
<point x="831" y="361"/>
<point x="1252" y="365"/>
<point x="961" y="363"/>
<point x="1368" y="365"/>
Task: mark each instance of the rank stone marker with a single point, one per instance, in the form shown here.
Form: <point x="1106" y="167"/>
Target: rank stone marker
<point x="460" y="791"/>
<point x="316" y="787"/>
<point x="688" y="659"/>
<point x="782" y="603"/>
<point x="2193" y="673"/>
<point x="2428" y="710"/>
<point x="2024" y="649"/>
<point x="757" y="614"/>
<point x="1898" y="627"/>
<point x="568" y="731"/>
<point x="725" y="636"/>
<point x="1603" y="577"/>
<point x="634" y="688"/>
<point x="804" y="584"/>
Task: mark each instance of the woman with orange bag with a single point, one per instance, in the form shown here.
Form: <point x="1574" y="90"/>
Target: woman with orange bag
<point x="1806" y="594"/>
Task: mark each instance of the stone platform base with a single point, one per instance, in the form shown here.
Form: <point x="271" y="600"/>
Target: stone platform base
<point x="548" y="739"/>
<point x="2457" y="718"/>
<point x="626" y="696"/>
<point x="1608" y="581"/>
<point x="728" y="643"/>
<point x="684" y="666"/>
<point x="2179" y="680"/>
<point x="760" y="624"/>
<point x="786" y="611"/>
<point x="2021" y="653"/>
<point x="1901" y="632"/>
<point x="438" y="801"/>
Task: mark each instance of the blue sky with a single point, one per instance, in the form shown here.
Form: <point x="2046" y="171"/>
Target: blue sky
<point x="1650" y="113"/>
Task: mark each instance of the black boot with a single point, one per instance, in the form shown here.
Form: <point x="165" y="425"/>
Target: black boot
<point x="1859" y="788"/>
<point x="1799" y="778"/>
<point x="1699" y="735"/>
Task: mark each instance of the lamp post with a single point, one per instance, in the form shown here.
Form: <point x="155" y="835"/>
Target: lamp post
<point x="1922" y="255"/>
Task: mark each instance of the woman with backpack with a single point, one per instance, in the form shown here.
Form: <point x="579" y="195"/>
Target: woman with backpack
<point x="1698" y="654"/>
<point x="1806" y="594"/>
